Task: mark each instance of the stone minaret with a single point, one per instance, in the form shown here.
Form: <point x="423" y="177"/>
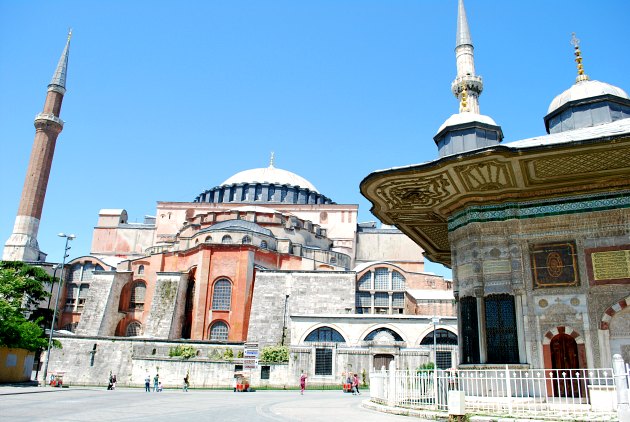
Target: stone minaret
<point x="466" y="82"/>
<point x="22" y="244"/>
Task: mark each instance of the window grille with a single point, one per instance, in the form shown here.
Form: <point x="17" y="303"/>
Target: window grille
<point x="364" y="299"/>
<point x="398" y="300"/>
<point x="381" y="279"/>
<point x="263" y="244"/>
<point x="443" y="359"/>
<point x="398" y="281"/>
<point x="137" y="296"/>
<point x="381" y="299"/>
<point x="227" y="239"/>
<point x="501" y="337"/>
<point x="222" y="295"/>
<point x="219" y="331"/>
<point x="365" y="282"/>
<point x="264" y="372"/>
<point x="470" y="330"/>
<point x="134" y="329"/>
<point x="246" y="240"/>
<point x="323" y="361"/>
<point x="442" y="336"/>
<point x="71" y="327"/>
<point x="326" y="334"/>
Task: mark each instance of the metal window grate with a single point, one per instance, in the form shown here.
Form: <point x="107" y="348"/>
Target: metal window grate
<point x="365" y="282"/>
<point x="134" y="329"/>
<point x="264" y="372"/>
<point x="398" y="281"/>
<point x="222" y="295"/>
<point x="219" y="331"/>
<point x="323" y="361"/>
<point x="381" y="279"/>
<point x="470" y="330"/>
<point x="501" y="335"/>
<point x="137" y="296"/>
<point x="381" y="299"/>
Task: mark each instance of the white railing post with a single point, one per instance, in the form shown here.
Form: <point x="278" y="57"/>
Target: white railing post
<point x="508" y="389"/>
<point x="435" y="387"/>
<point x="391" y="394"/>
<point x="621" y="383"/>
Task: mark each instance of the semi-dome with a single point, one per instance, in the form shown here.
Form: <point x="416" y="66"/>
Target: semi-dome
<point x="583" y="90"/>
<point x="271" y="175"/>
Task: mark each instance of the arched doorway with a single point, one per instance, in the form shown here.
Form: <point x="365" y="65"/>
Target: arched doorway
<point x="382" y="360"/>
<point x="564" y="357"/>
<point x="445" y="346"/>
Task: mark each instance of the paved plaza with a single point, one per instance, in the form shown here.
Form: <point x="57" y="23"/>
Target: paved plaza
<point x="98" y="404"/>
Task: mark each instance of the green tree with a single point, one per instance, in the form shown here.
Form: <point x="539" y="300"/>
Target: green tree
<point x="21" y="292"/>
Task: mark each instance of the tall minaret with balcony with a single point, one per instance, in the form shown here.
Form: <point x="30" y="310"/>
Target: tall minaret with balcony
<point x="22" y="244"/>
<point x="468" y="129"/>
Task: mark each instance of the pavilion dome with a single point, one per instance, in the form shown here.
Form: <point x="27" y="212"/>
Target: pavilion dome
<point x="271" y="175"/>
<point x="583" y="90"/>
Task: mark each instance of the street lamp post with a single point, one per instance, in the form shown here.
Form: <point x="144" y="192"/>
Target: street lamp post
<point x="68" y="237"/>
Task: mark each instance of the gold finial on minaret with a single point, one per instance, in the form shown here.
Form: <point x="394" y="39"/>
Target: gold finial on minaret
<point x="463" y="99"/>
<point x="578" y="59"/>
<point x="271" y="159"/>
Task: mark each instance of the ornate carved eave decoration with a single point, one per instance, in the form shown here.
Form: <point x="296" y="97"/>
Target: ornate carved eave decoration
<point x="419" y="199"/>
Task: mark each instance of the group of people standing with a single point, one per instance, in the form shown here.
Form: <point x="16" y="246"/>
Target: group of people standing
<point x="157" y="384"/>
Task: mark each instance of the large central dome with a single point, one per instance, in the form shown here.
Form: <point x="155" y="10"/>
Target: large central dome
<point x="271" y="175"/>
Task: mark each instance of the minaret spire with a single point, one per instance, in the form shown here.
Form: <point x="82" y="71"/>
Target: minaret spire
<point x="22" y="244"/>
<point x="578" y="59"/>
<point x="58" y="81"/>
<point x="464" y="54"/>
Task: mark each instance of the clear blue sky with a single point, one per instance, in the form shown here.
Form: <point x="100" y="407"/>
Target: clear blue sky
<point x="167" y="99"/>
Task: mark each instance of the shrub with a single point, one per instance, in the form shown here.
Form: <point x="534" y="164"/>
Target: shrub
<point x="184" y="352"/>
<point x="274" y="354"/>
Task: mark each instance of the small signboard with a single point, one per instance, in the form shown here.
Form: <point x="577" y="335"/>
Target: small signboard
<point x="250" y="356"/>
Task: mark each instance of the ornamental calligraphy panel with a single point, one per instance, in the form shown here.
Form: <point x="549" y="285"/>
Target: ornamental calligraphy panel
<point x="554" y="264"/>
<point x="608" y="265"/>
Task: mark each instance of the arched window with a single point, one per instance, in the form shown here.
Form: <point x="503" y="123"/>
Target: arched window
<point x="134" y="329"/>
<point x="227" y="239"/>
<point x="263" y="244"/>
<point x="71" y="296"/>
<point x="88" y="272"/>
<point x="138" y="290"/>
<point x="398" y="281"/>
<point x="325" y="334"/>
<point x="383" y="333"/>
<point x="365" y="282"/>
<point x="208" y="239"/>
<point x="222" y="295"/>
<point x="246" y="240"/>
<point x="442" y="336"/>
<point x="218" y="331"/>
<point x="141" y="269"/>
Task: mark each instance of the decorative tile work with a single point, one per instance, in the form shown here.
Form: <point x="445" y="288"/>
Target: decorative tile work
<point x="585" y="163"/>
<point x="540" y="208"/>
<point x="554" y="264"/>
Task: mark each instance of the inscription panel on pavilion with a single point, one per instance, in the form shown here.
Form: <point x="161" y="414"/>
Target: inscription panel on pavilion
<point x="608" y="265"/>
<point x="554" y="264"/>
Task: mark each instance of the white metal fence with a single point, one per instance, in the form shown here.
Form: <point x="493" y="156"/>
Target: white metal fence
<point x="584" y="394"/>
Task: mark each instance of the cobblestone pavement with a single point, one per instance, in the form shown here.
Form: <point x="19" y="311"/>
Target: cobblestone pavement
<point x="98" y="404"/>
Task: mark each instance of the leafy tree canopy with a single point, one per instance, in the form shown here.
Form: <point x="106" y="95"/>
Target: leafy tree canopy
<point x="21" y="291"/>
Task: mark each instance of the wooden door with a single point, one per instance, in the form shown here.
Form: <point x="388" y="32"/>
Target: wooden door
<point x="382" y="360"/>
<point x="564" y="361"/>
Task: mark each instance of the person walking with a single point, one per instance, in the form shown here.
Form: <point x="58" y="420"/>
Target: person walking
<point x="355" y="384"/>
<point x="156" y="380"/>
<point x="114" y="382"/>
<point x="186" y="383"/>
<point x="147" y="383"/>
<point x="303" y="378"/>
